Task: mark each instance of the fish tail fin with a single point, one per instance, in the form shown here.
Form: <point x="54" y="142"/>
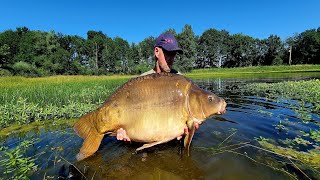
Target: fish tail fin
<point x="83" y="126"/>
<point x="92" y="138"/>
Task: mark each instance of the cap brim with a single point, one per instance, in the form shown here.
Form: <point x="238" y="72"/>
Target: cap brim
<point x="176" y="49"/>
<point x="179" y="51"/>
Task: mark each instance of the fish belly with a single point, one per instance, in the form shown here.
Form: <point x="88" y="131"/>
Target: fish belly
<point x="152" y="130"/>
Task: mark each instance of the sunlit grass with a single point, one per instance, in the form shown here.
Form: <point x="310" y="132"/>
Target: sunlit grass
<point x="254" y="71"/>
<point x="261" y="69"/>
<point x="25" y="100"/>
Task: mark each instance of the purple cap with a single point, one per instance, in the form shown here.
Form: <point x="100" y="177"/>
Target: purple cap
<point x="168" y="42"/>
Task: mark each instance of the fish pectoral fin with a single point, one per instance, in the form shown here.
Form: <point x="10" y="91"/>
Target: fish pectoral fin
<point x="90" y="144"/>
<point x="152" y="144"/>
<point x="188" y="138"/>
<point x="111" y="133"/>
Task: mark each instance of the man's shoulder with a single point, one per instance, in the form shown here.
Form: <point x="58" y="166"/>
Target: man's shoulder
<point x="151" y="71"/>
<point x="175" y="72"/>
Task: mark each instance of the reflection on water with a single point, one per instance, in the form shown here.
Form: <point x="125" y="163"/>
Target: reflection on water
<point x="247" y="117"/>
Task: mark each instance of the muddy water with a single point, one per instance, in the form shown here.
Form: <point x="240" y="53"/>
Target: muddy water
<point x="217" y="150"/>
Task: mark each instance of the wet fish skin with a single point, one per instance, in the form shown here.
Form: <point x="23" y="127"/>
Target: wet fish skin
<point x="153" y="109"/>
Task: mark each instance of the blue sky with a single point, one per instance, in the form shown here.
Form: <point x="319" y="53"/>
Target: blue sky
<point x="137" y="19"/>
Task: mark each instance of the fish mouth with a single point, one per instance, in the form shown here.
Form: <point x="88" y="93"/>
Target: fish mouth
<point x="223" y="106"/>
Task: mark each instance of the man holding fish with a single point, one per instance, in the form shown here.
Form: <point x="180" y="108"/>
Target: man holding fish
<point x="165" y="50"/>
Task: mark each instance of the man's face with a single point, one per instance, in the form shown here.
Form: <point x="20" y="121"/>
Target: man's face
<point x="169" y="57"/>
<point x="165" y="58"/>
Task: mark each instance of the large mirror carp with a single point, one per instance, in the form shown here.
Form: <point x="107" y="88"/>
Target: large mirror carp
<point x="152" y="109"/>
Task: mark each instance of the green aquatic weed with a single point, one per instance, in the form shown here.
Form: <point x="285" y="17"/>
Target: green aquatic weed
<point x="16" y="164"/>
<point x="280" y="126"/>
<point x="313" y="134"/>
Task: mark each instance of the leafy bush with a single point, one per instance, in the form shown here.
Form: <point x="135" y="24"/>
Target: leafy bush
<point x="277" y="61"/>
<point x="25" y="69"/>
<point x="4" y="72"/>
<point x="141" y="68"/>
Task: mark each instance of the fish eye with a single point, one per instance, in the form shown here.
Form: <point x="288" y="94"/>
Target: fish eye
<point x="210" y="98"/>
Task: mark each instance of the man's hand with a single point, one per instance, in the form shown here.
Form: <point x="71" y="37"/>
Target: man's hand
<point x="122" y="135"/>
<point x="185" y="129"/>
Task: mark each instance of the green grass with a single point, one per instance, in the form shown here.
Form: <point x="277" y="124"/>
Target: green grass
<point x="25" y="100"/>
<point x="58" y="90"/>
<point x="254" y="71"/>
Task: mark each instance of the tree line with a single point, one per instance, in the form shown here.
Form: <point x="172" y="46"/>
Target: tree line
<point x="37" y="53"/>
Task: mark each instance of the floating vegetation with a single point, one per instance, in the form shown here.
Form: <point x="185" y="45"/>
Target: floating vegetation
<point x="281" y="126"/>
<point x="303" y="98"/>
<point x="313" y="134"/>
<point x="296" y="142"/>
<point x="280" y="157"/>
<point x="57" y="124"/>
<point x="261" y="111"/>
<point x="304" y="95"/>
<point x="311" y="157"/>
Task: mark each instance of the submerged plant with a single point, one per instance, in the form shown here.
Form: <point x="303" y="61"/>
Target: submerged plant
<point x="280" y="126"/>
<point x="311" y="157"/>
<point x="296" y="142"/>
<point x="15" y="163"/>
<point x="313" y="134"/>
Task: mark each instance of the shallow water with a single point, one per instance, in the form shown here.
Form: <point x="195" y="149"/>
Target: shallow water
<point x="247" y="117"/>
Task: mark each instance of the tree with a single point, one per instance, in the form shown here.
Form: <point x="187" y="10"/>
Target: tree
<point x="306" y="47"/>
<point x="4" y="54"/>
<point x="52" y="43"/>
<point x="121" y="52"/>
<point x="32" y="44"/>
<point x="213" y="48"/>
<point x="78" y="58"/>
<point x="109" y="56"/>
<point x="9" y="47"/>
<point x="188" y="43"/>
<point x="95" y="42"/>
<point x="274" y="50"/>
<point x="134" y="59"/>
<point x="243" y="51"/>
<point x="146" y="50"/>
<point x="171" y="31"/>
<point x="261" y="48"/>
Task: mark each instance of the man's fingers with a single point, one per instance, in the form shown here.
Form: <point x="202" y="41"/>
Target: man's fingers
<point x="185" y="129"/>
<point x="196" y="125"/>
<point x="122" y="135"/>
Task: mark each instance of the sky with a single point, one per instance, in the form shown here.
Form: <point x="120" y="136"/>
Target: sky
<point x="136" y="20"/>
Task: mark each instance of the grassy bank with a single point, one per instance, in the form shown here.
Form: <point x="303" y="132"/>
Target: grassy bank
<point x="252" y="71"/>
<point x="25" y="100"/>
